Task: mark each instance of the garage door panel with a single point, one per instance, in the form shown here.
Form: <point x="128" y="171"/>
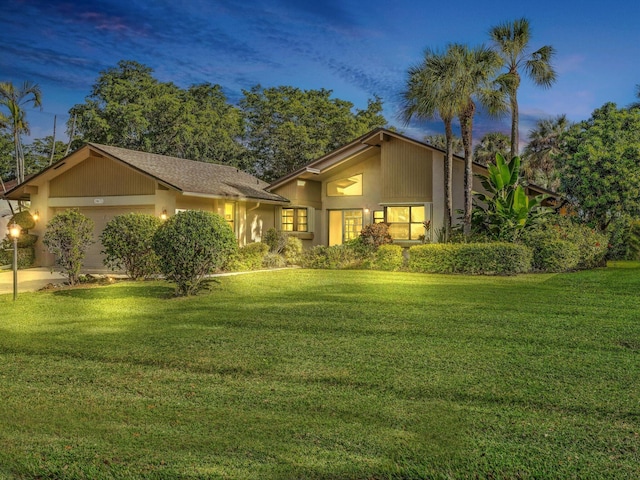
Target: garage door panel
<point x="101" y="216"/>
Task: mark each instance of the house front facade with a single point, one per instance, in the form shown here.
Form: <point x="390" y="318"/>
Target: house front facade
<point x="381" y="177"/>
<point x="103" y="181"/>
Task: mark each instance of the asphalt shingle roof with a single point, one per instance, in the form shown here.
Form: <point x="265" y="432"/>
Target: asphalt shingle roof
<point x="194" y="177"/>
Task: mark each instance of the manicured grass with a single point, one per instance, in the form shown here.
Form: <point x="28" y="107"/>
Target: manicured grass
<point x="326" y="374"/>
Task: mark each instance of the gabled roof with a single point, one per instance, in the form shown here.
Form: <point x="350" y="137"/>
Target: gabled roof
<point x="186" y="176"/>
<point x="374" y="139"/>
<point x="367" y="141"/>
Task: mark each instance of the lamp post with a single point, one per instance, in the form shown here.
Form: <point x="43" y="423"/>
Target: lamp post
<point x="14" y="232"/>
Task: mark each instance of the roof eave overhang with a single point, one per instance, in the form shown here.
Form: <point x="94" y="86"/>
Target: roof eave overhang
<point x="237" y="198"/>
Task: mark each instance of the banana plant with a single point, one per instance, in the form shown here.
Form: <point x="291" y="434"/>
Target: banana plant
<point x="505" y="209"/>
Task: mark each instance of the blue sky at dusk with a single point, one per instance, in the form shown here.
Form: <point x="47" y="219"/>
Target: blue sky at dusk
<point x="357" y="49"/>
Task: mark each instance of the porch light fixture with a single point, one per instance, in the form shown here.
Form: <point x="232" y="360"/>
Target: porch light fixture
<point x="163" y="215"/>
<point x="14" y="232"/>
<point x="35" y="215"/>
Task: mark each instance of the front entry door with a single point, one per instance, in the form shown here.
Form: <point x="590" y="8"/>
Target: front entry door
<point x="344" y="225"/>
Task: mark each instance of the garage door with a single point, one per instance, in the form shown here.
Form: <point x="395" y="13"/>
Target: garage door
<point x="100" y="217"/>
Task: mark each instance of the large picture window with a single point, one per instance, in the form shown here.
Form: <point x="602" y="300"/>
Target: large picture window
<point x="295" y="220"/>
<point x="345" y="187"/>
<point x="406" y="222"/>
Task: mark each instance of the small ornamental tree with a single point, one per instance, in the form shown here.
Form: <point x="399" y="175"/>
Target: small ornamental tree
<point x="69" y="234"/>
<point x="128" y="244"/>
<point x="191" y="245"/>
<point x="376" y="234"/>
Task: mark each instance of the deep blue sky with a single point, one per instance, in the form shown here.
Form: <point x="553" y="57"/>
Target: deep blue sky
<point x="355" y="48"/>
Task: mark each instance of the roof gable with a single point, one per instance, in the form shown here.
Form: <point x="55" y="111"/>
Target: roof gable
<point x="369" y="141"/>
<point x="186" y="176"/>
<point x="190" y="176"/>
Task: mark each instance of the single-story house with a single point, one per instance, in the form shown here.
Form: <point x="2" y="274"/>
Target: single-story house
<point x="382" y="176"/>
<point x="102" y="182"/>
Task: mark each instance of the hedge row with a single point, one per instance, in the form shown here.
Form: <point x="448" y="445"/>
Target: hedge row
<point x="26" y="257"/>
<point x="496" y="258"/>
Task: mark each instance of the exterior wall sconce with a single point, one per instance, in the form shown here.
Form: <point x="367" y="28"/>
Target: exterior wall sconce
<point x="14" y="232"/>
<point x="36" y="216"/>
<point x="163" y="215"/>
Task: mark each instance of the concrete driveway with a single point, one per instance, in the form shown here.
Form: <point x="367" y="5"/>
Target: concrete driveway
<point x="29" y="280"/>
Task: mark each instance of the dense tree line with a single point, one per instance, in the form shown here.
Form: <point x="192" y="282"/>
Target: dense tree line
<point x="270" y="132"/>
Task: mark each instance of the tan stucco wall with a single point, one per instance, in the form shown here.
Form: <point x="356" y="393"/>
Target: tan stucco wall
<point x="302" y="192"/>
<point x="258" y="221"/>
<point x="406" y="172"/>
<point x="114" y="179"/>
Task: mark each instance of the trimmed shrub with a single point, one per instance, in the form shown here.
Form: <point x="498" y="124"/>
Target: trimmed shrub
<point x="68" y="237"/>
<point x="315" y="257"/>
<point x="24" y="219"/>
<point x="555" y="256"/>
<point x="332" y="258"/>
<point x="388" y="258"/>
<point x="26" y="257"/>
<point x="274" y="260"/>
<point x="376" y="234"/>
<point x="592" y="245"/>
<point x="26" y="240"/>
<point x="128" y="244"/>
<point x="249" y="257"/>
<point x="496" y="258"/>
<point x="276" y="240"/>
<point x="292" y="250"/>
<point x="191" y="245"/>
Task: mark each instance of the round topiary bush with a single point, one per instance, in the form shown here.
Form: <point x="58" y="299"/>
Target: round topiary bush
<point x="24" y="219"/>
<point x="192" y="244"/>
<point x="128" y="244"/>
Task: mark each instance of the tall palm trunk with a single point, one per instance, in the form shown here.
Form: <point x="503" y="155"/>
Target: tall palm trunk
<point x="466" y="128"/>
<point x="515" y="132"/>
<point x="448" y="178"/>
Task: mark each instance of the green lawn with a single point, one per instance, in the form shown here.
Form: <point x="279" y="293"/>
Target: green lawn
<point x="326" y="374"/>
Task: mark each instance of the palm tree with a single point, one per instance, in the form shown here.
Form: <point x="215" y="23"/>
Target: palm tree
<point x="511" y="41"/>
<point x="474" y="81"/>
<point x="431" y="93"/>
<point x="439" y="140"/>
<point x="15" y="99"/>
<point x="491" y="144"/>
<point x="544" y="144"/>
